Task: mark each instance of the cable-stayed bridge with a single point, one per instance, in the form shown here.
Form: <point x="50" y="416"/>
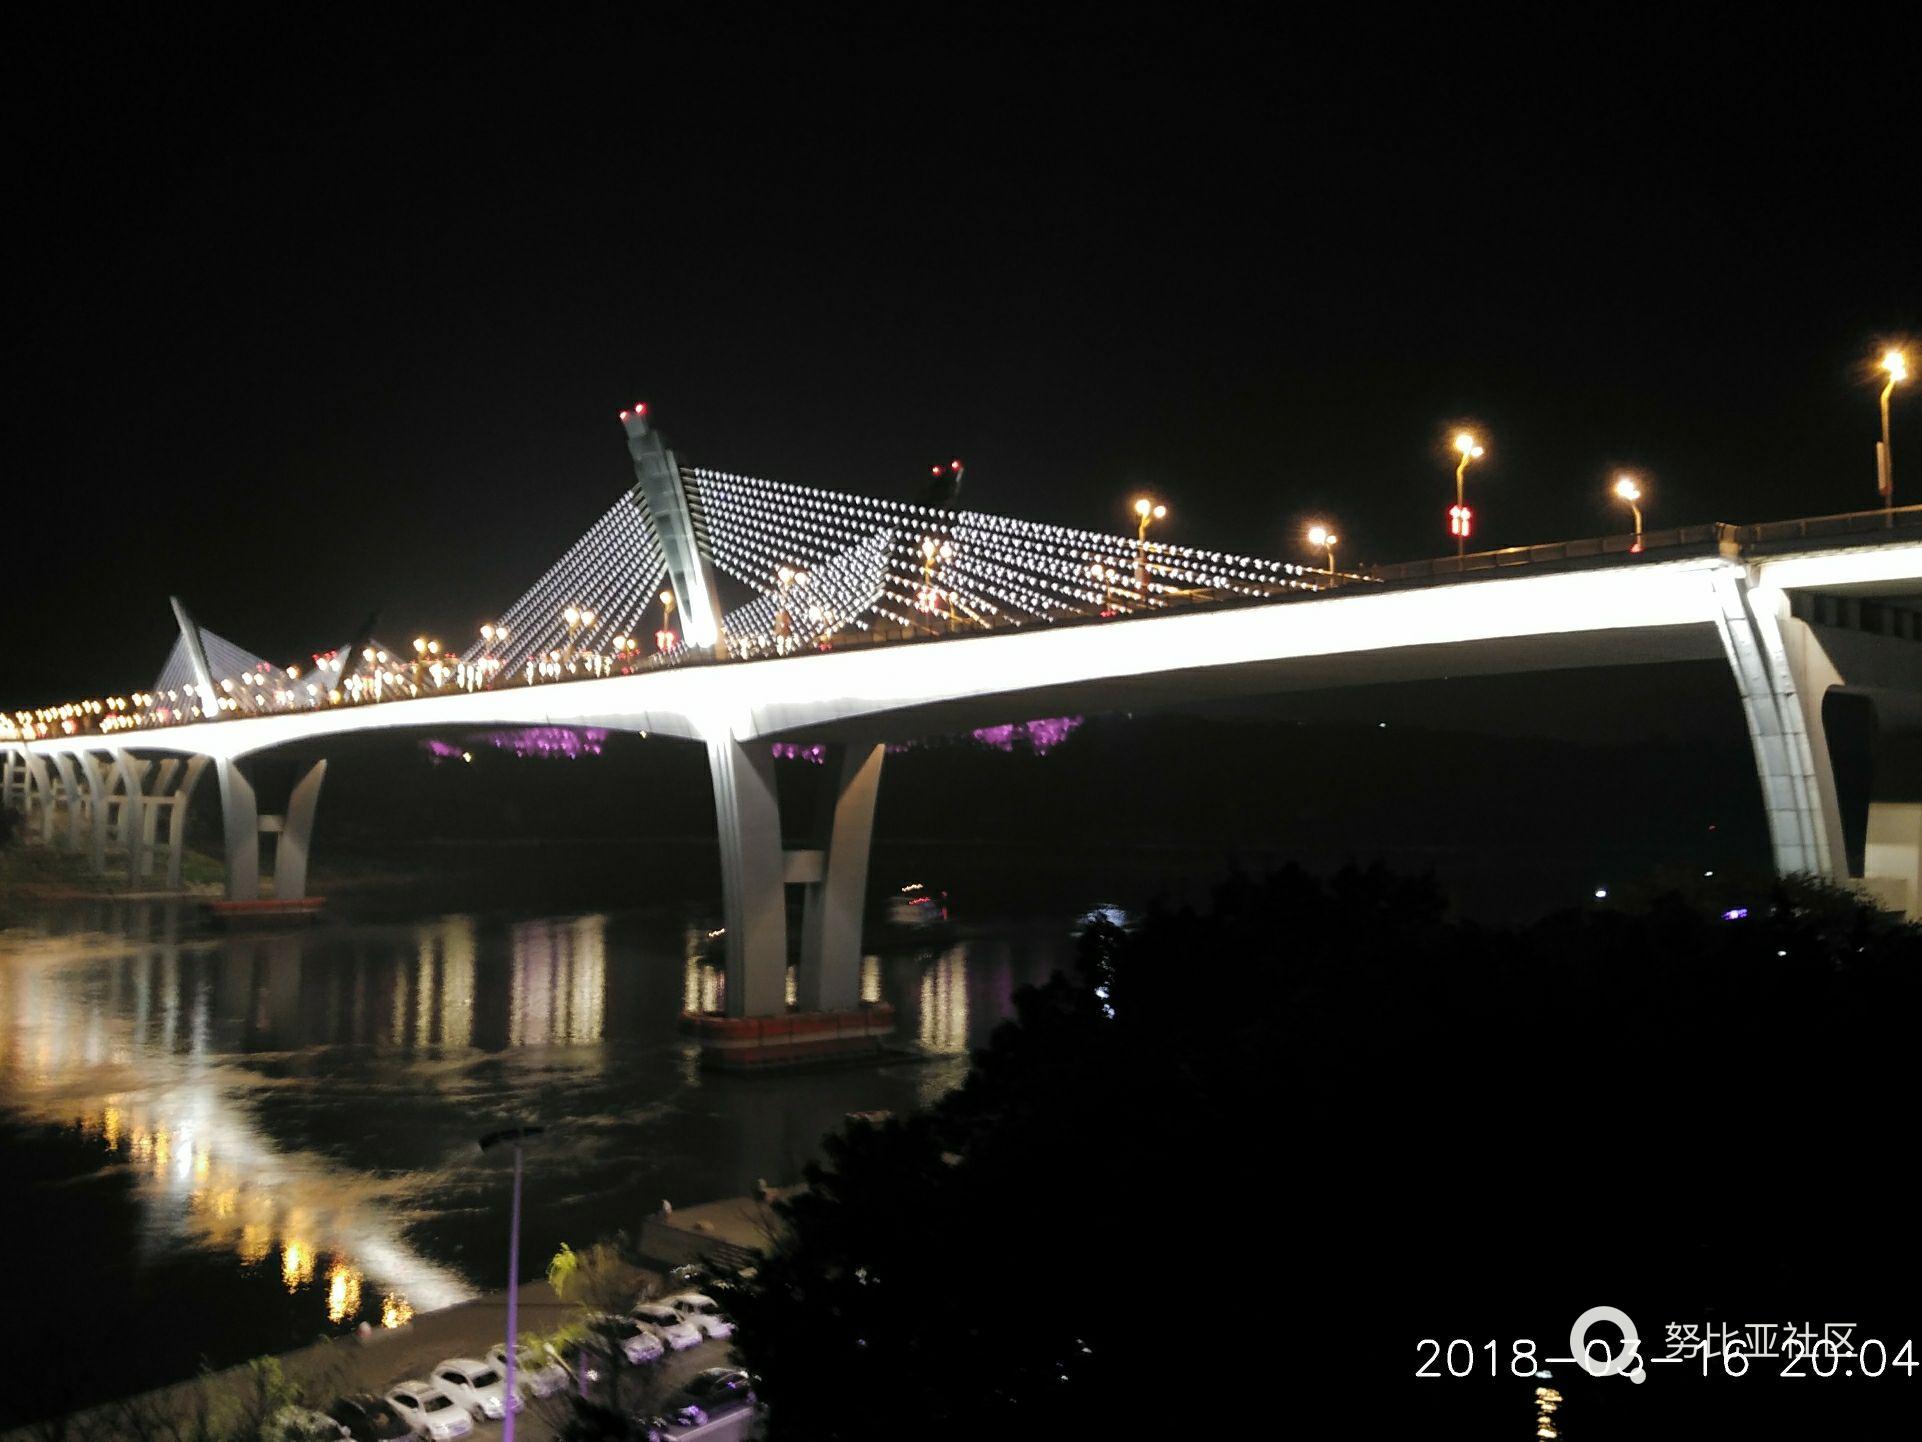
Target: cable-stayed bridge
<point x="740" y="612"/>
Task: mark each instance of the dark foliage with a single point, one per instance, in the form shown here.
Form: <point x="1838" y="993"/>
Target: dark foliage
<point x="1155" y="1199"/>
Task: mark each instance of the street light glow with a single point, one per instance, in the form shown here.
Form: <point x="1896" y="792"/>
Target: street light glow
<point x="1467" y="445"/>
<point x="1626" y="488"/>
<point x="1896" y="364"/>
<point x="1146" y="508"/>
<point x="1321" y="536"/>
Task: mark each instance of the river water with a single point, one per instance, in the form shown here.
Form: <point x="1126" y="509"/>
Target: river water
<point x="222" y="1145"/>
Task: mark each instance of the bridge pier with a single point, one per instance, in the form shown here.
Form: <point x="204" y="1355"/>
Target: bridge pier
<point x="830" y="972"/>
<point x="155" y="792"/>
<point x="39" y="808"/>
<point x="243" y="824"/>
<point x="96" y="771"/>
<point x="1794" y="676"/>
<point x="129" y="781"/>
<point x="753" y="876"/>
<point x="66" y="796"/>
<point x="758" y="1030"/>
<point x="13" y="780"/>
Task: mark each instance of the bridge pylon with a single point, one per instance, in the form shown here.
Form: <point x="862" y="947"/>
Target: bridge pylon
<point x="690" y="569"/>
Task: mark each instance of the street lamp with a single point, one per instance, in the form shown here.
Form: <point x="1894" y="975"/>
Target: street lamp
<point x="664" y="638"/>
<point x="1897" y="365"/>
<point x="1459" y="518"/>
<point x="1146" y="510"/>
<point x="1320" y="537"/>
<point x="931" y="552"/>
<point x="1627" y="490"/>
<point x="576" y="618"/>
<point x="516" y="1135"/>
<point x="490" y="634"/>
<point x="783" y="620"/>
<point x="1105" y="576"/>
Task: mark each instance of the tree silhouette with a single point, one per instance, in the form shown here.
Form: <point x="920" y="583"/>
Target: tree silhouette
<point x="1247" y="1157"/>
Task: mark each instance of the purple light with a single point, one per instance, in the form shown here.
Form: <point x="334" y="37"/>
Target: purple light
<point x="1039" y="736"/>
<point x="1737" y="913"/>
<point x="536" y="742"/>
<point x="793" y="751"/>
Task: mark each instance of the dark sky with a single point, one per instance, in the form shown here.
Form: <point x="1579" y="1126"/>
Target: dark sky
<point x="312" y="322"/>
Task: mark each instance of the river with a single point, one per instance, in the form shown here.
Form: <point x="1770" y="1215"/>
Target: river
<point x="221" y="1145"/>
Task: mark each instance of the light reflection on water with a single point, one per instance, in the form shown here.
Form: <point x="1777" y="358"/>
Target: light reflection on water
<point x="98" y="1047"/>
<point x="301" y="1107"/>
<point x="944" y="1002"/>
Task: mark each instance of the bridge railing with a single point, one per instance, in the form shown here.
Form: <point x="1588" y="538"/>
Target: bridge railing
<point x="1703" y="537"/>
<point x="1907" y="519"/>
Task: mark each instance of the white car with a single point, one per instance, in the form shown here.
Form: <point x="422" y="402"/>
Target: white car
<point x="668" y="1324"/>
<point x="536" y="1374"/>
<point x="430" y="1411"/>
<point x="702" y="1312"/>
<point x="639" y="1343"/>
<point x="478" y="1386"/>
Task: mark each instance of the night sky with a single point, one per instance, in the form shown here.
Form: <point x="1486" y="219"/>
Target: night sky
<point x="309" y="323"/>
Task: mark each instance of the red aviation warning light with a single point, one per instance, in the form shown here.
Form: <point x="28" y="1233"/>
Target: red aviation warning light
<point x="1460" y="521"/>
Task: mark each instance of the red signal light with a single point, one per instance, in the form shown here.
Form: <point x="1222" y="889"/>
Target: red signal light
<point x="1460" y="521"/>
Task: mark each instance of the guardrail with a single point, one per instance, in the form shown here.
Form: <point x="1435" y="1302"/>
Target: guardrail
<point x="1866" y="524"/>
<point x="1847" y="523"/>
<point x="1711" y="535"/>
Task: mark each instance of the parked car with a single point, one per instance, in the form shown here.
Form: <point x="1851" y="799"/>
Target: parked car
<point x="702" y="1311"/>
<point x="536" y="1373"/>
<point x="638" y="1341"/>
<point x="430" y="1411"/>
<point x="710" y="1394"/>
<point x="301" y="1424"/>
<point x="668" y="1324"/>
<point x="478" y="1386"/>
<point x="368" y="1418"/>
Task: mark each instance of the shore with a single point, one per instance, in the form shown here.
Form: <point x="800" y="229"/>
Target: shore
<point x="377" y="1360"/>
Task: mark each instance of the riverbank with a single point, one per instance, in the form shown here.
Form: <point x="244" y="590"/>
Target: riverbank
<point x="31" y="874"/>
<point x="379" y="1358"/>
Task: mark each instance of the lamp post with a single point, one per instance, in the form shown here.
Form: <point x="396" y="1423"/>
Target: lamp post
<point x="516" y="1135"/>
<point x="664" y="638"/>
<point x="577" y="617"/>
<point x="1326" y="540"/>
<point x="1897" y="365"/>
<point x="1104" y="577"/>
<point x="933" y="551"/>
<point x="1458" y="519"/>
<point x="1628" y="491"/>
<point x="783" y="618"/>
<point x="1146" y="509"/>
<point x="490" y="633"/>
